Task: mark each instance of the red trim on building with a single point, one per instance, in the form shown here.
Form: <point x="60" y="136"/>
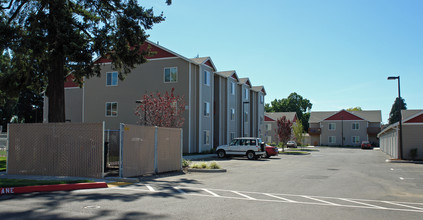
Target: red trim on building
<point x="208" y="63"/>
<point x="295" y="118"/>
<point x="417" y="119"/>
<point x="160" y="53"/>
<point x="69" y="83"/>
<point x="267" y="118"/>
<point x="344" y="115"/>
<point x="234" y="77"/>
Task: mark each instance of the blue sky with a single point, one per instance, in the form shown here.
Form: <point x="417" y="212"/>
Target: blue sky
<point x="336" y="53"/>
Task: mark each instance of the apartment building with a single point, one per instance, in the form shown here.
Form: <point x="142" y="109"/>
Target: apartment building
<point x="108" y="99"/>
<point x="344" y="128"/>
<point x="270" y="125"/>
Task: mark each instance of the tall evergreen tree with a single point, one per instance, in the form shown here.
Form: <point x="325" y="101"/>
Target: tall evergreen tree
<point x="49" y="39"/>
<point x="394" y="115"/>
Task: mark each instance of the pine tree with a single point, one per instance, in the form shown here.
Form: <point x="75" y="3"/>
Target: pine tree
<point x="47" y="40"/>
<point x="394" y="115"/>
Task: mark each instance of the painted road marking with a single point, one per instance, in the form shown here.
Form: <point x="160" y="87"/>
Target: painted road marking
<point x="150" y="188"/>
<point x="408" y="206"/>
<point x="319" y="200"/>
<point x="288" y="200"/>
<point x="214" y="194"/>
<point x="294" y="199"/>
<point x="248" y="197"/>
<point x="362" y="203"/>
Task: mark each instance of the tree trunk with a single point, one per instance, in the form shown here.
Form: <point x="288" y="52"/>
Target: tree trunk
<point x="56" y="75"/>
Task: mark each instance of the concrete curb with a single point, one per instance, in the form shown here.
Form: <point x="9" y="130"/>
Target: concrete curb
<point x="206" y="170"/>
<point x="402" y="161"/>
<point x="50" y="188"/>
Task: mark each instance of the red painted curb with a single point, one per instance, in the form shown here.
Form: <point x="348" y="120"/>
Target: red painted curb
<point x="50" y="188"/>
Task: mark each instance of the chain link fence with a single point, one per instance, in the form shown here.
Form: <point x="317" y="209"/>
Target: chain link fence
<point x="56" y="149"/>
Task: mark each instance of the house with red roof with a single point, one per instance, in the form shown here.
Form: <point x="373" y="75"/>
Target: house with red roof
<point x="412" y="138"/>
<point x="344" y="128"/>
<point x="270" y="125"/>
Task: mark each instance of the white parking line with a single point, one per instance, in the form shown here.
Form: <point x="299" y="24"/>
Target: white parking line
<point x="248" y="197"/>
<point x="362" y="203"/>
<point x="319" y="200"/>
<point x="179" y="190"/>
<point x="408" y="206"/>
<point x="150" y="188"/>
<point x="277" y="197"/>
<point x="214" y="194"/>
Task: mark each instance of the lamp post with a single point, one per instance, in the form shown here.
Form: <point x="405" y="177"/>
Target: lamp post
<point x="400" y="117"/>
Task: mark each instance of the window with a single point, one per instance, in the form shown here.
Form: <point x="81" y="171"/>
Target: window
<point x="355" y="126"/>
<point x="269" y="139"/>
<point x="232" y="135"/>
<point x="112" y="79"/>
<point x="232" y="114"/>
<point x="206" y="78"/>
<point x="206" y="137"/>
<point x="206" y="109"/>
<point x="253" y="142"/>
<point x="171" y="74"/>
<point x="246" y="93"/>
<point x="261" y="99"/>
<point x="246" y="117"/>
<point x="332" y="126"/>
<point x="111" y="109"/>
<point x="355" y="139"/>
<point x="332" y="139"/>
<point x="268" y="127"/>
<point x="232" y="88"/>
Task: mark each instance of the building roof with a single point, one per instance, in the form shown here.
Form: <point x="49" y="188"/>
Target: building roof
<point x="204" y="60"/>
<point x="276" y="115"/>
<point x="410" y="113"/>
<point x="245" y="81"/>
<point x="259" y="89"/>
<point x="227" y="74"/>
<point x="371" y="115"/>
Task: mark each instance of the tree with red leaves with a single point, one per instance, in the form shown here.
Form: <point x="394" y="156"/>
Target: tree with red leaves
<point x="284" y="130"/>
<point x="161" y="110"/>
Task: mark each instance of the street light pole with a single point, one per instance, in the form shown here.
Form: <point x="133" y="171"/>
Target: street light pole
<point x="400" y="116"/>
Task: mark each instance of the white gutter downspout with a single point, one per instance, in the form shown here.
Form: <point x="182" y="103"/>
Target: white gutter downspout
<point x="190" y="110"/>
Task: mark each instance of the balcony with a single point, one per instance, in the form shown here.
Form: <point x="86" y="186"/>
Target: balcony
<point x="373" y="130"/>
<point x="314" y="131"/>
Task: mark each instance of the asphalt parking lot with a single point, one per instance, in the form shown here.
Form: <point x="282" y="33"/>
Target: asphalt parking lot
<point x="333" y="183"/>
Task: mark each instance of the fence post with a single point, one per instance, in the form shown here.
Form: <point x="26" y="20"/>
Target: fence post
<point x="122" y="126"/>
<point x="102" y="152"/>
<point x="7" y="148"/>
<point x="182" y="147"/>
<point x="156" y="170"/>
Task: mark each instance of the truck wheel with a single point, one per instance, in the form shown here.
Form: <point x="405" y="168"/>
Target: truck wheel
<point x="251" y="155"/>
<point x="221" y="154"/>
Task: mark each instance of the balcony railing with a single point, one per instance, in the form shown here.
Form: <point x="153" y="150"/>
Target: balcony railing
<point x="314" y="131"/>
<point x="373" y="130"/>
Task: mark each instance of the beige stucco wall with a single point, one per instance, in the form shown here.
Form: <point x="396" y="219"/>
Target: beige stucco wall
<point x="232" y="103"/>
<point x="73" y="104"/>
<point x="412" y="139"/>
<point x="344" y="127"/>
<point x="146" y="78"/>
<point x="206" y="95"/>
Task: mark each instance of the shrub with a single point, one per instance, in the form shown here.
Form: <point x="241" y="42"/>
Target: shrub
<point x="214" y="165"/>
<point x="196" y="166"/>
<point x="203" y="165"/>
<point x="186" y="163"/>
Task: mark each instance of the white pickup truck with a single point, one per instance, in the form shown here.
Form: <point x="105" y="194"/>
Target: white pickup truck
<point x="251" y="147"/>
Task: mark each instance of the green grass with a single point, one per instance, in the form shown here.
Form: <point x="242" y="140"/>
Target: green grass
<point x="204" y="165"/>
<point x="3" y="153"/>
<point x="294" y="153"/>
<point x="25" y="182"/>
<point x="2" y="164"/>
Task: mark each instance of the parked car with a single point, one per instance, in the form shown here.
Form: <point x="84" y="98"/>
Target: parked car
<point x="366" y="145"/>
<point x="271" y="151"/>
<point x="291" y="144"/>
<point x="251" y="147"/>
